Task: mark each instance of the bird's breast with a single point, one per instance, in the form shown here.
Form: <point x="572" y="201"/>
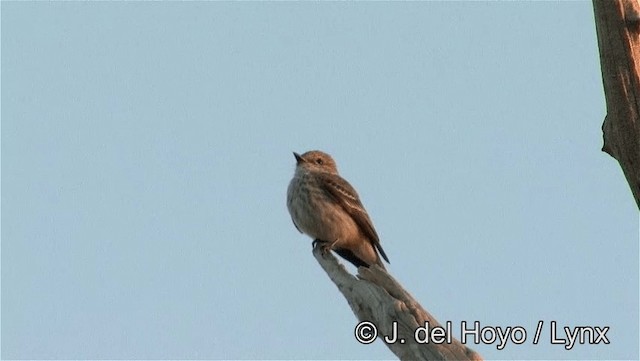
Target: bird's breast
<point x="316" y="213"/>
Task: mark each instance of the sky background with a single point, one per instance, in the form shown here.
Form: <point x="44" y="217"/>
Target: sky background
<point x="146" y="153"/>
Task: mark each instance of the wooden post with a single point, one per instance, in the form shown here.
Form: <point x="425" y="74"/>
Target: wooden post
<point x="618" y="29"/>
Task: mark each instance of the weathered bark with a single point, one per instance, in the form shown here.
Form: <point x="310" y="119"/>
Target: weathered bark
<point x="618" y="26"/>
<point x="377" y="297"/>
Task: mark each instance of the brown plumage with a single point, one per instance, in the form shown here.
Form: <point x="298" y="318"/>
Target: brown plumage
<point x="327" y="208"/>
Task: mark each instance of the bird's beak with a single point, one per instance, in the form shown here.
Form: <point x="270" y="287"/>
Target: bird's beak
<point x="298" y="158"/>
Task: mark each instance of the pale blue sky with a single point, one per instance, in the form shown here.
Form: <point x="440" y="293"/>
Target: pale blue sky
<point x="146" y="152"/>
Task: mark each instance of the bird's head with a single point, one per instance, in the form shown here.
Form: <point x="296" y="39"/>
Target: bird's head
<point x="315" y="160"/>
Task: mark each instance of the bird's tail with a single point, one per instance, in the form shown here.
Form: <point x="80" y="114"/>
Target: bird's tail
<point x="358" y="261"/>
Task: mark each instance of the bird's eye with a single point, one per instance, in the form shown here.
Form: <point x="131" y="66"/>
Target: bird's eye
<point x="319" y="161"/>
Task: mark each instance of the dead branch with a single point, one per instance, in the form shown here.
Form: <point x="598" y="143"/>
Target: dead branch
<point x="377" y="297"/>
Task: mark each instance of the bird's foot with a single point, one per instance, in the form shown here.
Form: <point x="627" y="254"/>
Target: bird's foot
<point x="324" y="245"/>
<point x="316" y="242"/>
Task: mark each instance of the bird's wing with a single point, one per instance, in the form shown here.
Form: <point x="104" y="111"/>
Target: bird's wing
<point x="348" y="198"/>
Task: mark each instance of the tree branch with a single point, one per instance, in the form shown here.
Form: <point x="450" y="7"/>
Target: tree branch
<point x="617" y="26"/>
<point x="377" y="297"/>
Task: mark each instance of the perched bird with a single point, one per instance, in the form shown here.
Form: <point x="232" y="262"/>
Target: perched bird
<point x="326" y="207"/>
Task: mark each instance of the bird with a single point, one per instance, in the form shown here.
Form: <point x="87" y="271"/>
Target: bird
<point x="324" y="206"/>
